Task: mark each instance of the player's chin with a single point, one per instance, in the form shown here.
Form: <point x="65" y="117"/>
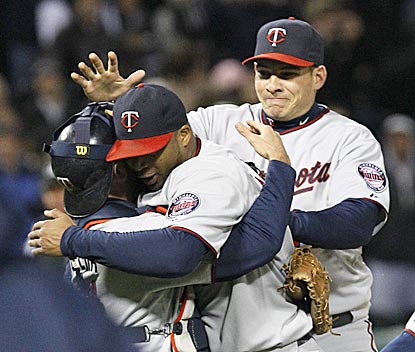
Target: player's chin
<point x="276" y="112"/>
<point x="154" y="184"/>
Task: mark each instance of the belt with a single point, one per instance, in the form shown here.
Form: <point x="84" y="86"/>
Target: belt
<point x="304" y="339"/>
<point x="342" y="319"/>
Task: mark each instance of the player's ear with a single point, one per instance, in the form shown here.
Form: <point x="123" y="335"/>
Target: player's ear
<point x="185" y="134"/>
<point x="319" y="76"/>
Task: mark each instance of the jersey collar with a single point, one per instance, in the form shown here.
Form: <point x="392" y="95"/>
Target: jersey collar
<point x="198" y="146"/>
<point x="315" y="113"/>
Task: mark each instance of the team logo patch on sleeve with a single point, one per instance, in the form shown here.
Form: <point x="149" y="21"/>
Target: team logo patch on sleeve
<point x="183" y="204"/>
<point x="373" y="175"/>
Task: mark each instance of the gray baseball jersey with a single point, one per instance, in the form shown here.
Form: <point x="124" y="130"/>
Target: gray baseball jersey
<point x="335" y="159"/>
<point x="206" y="195"/>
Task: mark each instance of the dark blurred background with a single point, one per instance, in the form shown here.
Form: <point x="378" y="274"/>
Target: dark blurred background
<point x="195" y="47"/>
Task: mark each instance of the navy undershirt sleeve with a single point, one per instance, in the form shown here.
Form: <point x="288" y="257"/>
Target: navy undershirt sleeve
<point x="346" y="225"/>
<point x="166" y="252"/>
<point x="405" y="342"/>
<point x="253" y="242"/>
<point x="258" y="237"/>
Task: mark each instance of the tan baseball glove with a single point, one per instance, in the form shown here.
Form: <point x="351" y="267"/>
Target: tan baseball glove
<point x="308" y="285"/>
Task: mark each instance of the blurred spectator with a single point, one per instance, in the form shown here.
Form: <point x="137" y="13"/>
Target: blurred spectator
<point x="51" y="195"/>
<point x="19" y="180"/>
<point x="230" y="82"/>
<point x="51" y="16"/>
<point x="186" y="30"/>
<point x="138" y="46"/>
<point x="395" y="82"/>
<point x="349" y="57"/>
<point x="407" y="14"/>
<point x="399" y="151"/>
<point x="236" y="23"/>
<point x="89" y="31"/>
<point x="9" y="114"/>
<point x="46" y="105"/>
<point x="11" y="226"/>
<point x="17" y="31"/>
<point x="390" y="254"/>
<point x="189" y="85"/>
<point x="39" y="311"/>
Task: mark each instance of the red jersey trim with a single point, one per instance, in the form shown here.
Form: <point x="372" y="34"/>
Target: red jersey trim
<point x="299" y="127"/>
<point x="198" y="146"/>
<point x="183" y="301"/>
<point x="95" y="222"/>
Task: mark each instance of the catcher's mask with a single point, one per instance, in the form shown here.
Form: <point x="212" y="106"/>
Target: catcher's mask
<point x="78" y="152"/>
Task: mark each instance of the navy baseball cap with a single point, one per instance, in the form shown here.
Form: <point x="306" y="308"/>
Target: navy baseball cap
<point x="145" y="119"/>
<point x="292" y="41"/>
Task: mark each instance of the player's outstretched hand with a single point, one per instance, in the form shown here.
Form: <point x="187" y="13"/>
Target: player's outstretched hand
<point x="264" y="139"/>
<point x="101" y="84"/>
<point x="46" y="235"/>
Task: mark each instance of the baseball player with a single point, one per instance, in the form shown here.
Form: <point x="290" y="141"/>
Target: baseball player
<point x="341" y="194"/>
<point x="141" y="304"/>
<point x="405" y="342"/>
<point x="190" y="204"/>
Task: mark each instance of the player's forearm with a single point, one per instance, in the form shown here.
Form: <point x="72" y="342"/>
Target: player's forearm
<point x="347" y="225"/>
<point x="258" y="237"/>
<point x="405" y="342"/>
<point x="161" y="253"/>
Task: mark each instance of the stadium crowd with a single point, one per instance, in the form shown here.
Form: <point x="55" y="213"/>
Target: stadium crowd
<point x="195" y="48"/>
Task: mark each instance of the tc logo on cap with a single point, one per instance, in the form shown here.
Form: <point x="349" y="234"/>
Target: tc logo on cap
<point x="129" y="119"/>
<point x="276" y="35"/>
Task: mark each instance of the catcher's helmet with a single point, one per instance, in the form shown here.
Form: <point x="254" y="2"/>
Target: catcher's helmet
<point x="78" y="152"/>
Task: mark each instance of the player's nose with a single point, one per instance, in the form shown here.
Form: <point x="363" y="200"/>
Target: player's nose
<point x="138" y="164"/>
<point x="273" y="84"/>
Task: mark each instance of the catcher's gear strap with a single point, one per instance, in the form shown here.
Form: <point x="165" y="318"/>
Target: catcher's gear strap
<point x="187" y="332"/>
<point x="138" y="333"/>
<point x="192" y="337"/>
<point x="69" y="150"/>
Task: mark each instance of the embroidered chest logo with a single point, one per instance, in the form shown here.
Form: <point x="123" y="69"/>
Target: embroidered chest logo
<point x="373" y="175"/>
<point x="183" y="204"/>
<point x="307" y="177"/>
<point x="129" y="119"/>
<point x="276" y="35"/>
